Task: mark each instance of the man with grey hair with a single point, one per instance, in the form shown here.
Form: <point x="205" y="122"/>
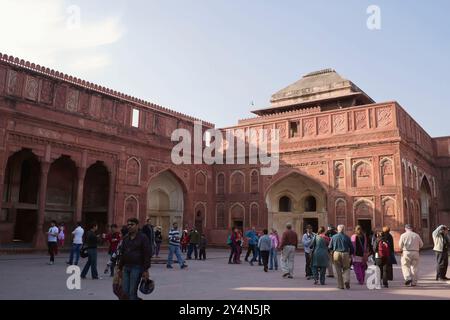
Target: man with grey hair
<point x="341" y="248"/>
<point x="289" y="242"/>
<point x="409" y="244"/>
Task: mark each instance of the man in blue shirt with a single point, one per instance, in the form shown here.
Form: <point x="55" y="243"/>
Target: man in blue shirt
<point x="252" y="243"/>
<point x="341" y="248"/>
<point x="307" y="241"/>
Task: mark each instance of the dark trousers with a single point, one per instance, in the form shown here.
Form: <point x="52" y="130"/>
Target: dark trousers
<point x="192" y="247"/>
<point x="384" y="268"/>
<point x="52" y="247"/>
<point x="202" y="254"/>
<point x="91" y="263"/>
<point x="232" y="250"/>
<point x="251" y="249"/>
<point x="265" y="258"/>
<point x="308" y="270"/>
<point x="441" y="264"/>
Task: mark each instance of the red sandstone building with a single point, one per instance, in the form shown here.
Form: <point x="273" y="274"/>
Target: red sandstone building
<point x="74" y="151"/>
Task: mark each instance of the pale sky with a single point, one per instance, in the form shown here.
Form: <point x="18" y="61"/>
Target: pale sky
<point x="212" y="58"/>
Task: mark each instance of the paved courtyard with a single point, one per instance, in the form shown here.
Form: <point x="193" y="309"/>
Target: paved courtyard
<point x="29" y="277"/>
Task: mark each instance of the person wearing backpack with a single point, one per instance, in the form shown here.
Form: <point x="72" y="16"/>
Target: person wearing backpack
<point x="382" y="257"/>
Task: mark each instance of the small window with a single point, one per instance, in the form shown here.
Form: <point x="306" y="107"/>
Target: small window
<point x="285" y="204"/>
<point x="135" y="118"/>
<point x="293" y="129"/>
<point x="310" y="204"/>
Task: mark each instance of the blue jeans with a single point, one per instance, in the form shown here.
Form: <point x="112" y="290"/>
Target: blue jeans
<point x="75" y="251"/>
<point x="174" y="250"/>
<point x="192" y="247"/>
<point x="91" y="263"/>
<point x="131" y="277"/>
<point x="273" y="258"/>
<point x="319" y="271"/>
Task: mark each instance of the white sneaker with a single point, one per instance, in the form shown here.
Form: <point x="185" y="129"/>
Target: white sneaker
<point x="50" y="263"/>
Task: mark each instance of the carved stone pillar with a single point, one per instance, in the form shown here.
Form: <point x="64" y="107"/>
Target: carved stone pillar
<point x="80" y="190"/>
<point x="40" y="240"/>
<point x="112" y="196"/>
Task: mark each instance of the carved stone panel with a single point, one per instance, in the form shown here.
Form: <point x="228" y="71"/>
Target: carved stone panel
<point x="341" y="212"/>
<point x="200" y="182"/>
<point x="96" y="105"/>
<point x="309" y="127"/>
<point x="339" y="175"/>
<point x="254" y="181"/>
<point x="15" y="80"/>
<point x="387" y="172"/>
<point x="133" y="172"/>
<point x="281" y="127"/>
<point x="361" y="120"/>
<point x="384" y="117"/>
<point x="254" y="215"/>
<point x="2" y="79"/>
<point x="221" y="184"/>
<point x="31" y="88"/>
<point x="323" y="125"/>
<point x="131" y="208"/>
<point x="84" y="103"/>
<point x="60" y="97"/>
<point x="72" y="100"/>
<point x="107" y="109"/>
<point x="339" y="123"/>
<point x="363" y="209"/>
<point x="362" y="174"/>
<point x="47" y="92"/>
<point x="120" y="113"/>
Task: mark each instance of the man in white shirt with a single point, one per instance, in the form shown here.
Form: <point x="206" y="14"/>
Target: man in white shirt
<point x="410" y="243"/>
<point x="76" y="244"/>
<point x="52" y="241"/>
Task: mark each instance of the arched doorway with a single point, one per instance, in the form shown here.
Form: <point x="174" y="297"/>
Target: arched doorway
<point x="20" y="196"/>
<point x="298" y="199"/>
<point x="61" y="192"/>
<point x="95" y="196"/>
<point x="165" y="201"/>
<point x="425" y="210"/>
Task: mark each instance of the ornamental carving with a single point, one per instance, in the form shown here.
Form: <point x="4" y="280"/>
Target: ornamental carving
<point x="324" y="125"/>
<point x="384" y="117"/>
<point x="31" y="88"/>
<point x="361" y="120"/>
<point x="72" y="100"/>
<point x="308" y="127"/>
<point x="339" y="123"/>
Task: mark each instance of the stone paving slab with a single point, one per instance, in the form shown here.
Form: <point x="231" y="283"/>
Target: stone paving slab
<point x="29" y="277"/>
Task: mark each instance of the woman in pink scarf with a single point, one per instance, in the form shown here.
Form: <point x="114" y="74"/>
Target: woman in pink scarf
<point x="360" y="254"/>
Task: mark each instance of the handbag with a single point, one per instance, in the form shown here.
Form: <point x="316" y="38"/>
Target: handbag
<point x="117" y="285"/>
<point x="84" y="252"/>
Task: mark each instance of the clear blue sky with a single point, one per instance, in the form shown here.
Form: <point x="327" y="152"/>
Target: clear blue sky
<point x="211" y="58"/>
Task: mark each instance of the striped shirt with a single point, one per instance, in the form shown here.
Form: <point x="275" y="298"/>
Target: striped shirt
<point x="174" y="237"/>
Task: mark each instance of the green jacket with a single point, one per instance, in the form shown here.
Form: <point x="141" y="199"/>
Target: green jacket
<point x="194" y="237"/>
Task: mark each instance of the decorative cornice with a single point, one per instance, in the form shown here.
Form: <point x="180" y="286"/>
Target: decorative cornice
<point x="14" y="61"/>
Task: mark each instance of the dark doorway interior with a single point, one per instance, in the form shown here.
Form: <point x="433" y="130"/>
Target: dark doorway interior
<point x="25" y="227"/>
<point x="314" y="222"/>
<point x="366" y="225"/>
<point x="98" y="217"/>
<point x="238" y="224"/>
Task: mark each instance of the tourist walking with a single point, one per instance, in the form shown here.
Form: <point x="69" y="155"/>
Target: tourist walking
<point x="174" y="247"/>
<point x="149" y="230"/>
<point x="91" y="244"/>
<point x="383" y="257"/>
<point x="319" y="256"/>
<point x="410" y="244"/>
<point x="252" y="240"/>
<point x="307" y="240"/>
<point x="264" y="246"/>
<point x="77" y="243"/>
<point x="441" y="242"/>
<point x="331" y="231"/>
<point x="113" y="239"/>
<point x="135" y="259"/>
<point x="273" y="256"/>
<point x="202" y="247"/>
<point x="392" y="259"/>
<point x="52" y="241"/>
<point x="289" y="242"/>
<point x="61" y="237"/>
<point x="360" y="244"/>
<point x="341" y="247"/>
<point x="184" y="241"/>
<point x="158" y="241"/>
<point x="194" y="240"/>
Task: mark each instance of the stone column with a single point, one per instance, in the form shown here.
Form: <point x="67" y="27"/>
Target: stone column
<point x="80" y="190"/>
<point x="112" y="196"/>
<point x="40" y="240"/>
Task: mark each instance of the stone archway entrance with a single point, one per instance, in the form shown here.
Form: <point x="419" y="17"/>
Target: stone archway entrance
<point x="95" y="196"/>
<point x="296" y="199"/>
<point x="165" y="201"/>
<point x="20" y="197"/>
